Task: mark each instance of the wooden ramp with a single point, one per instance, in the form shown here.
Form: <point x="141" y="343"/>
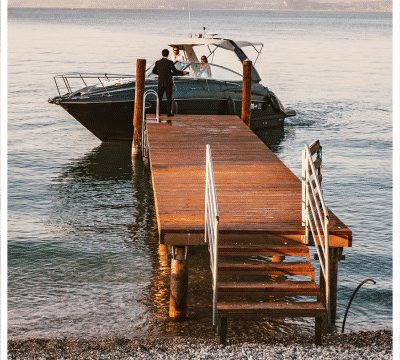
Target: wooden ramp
<point x="257" y="193"/>
<point x="260" y="263"/>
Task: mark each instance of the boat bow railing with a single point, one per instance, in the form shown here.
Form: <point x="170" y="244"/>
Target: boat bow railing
<point x="315" y="215"/>
<point x="73" y="82"/>
<point x="211" y="226"/>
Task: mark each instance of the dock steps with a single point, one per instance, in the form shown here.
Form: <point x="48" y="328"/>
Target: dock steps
<point x="267" y="280"/>
<point x="288" y="288"/>
<point x="292" y="268"/>
<point x="263" y="250"/>
<point x="278" y="309"/>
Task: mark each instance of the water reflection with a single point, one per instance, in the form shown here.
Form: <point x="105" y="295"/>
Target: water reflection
<point x="277" y="138"/>
<point x="88" y="270"/>
<point x="271" y="137"/>
<point x="108" y="161"/>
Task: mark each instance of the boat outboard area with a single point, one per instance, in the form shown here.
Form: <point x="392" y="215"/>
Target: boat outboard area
<point x="104" y="103"/>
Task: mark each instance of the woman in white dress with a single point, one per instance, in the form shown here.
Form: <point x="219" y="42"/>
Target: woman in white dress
<point x="205" y="69"/>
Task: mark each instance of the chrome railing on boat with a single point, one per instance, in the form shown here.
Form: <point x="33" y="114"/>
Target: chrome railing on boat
<point x="87" y="79"/>
<point x="145" y="143"/>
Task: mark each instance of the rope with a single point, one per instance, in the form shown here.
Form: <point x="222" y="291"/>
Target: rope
<point x="351" y="300"/>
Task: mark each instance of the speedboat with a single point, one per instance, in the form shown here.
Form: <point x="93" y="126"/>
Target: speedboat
<point x="105" y="103"/>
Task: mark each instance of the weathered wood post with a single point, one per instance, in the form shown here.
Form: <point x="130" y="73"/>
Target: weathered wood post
<point x="335" y="254"/>
<point x="246" y="92"/>
<point x="163" y="255"/>
<point x="178" y="284"/>
<point x="138" y="110"/>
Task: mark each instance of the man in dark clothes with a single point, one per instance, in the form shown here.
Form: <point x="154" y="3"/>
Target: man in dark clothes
<point x="165" y="69"/>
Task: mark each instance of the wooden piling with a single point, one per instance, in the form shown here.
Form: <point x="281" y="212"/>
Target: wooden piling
<point x="318" y="330"/>
<point x="138" y="110"/>
<point x="325" y="326"/>
<point x="163" y="256"/>
<point x="246" y="92"/>
<point x="222" y="330"/>
<point x="178" y="284"/>
<point x="334" y="257"/>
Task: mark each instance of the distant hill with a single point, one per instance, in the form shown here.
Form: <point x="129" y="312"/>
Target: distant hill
<point x="314" y="5"/>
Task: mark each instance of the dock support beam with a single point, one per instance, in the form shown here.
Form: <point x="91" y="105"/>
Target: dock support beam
<point x="163" y="256"/>
<point x="335" y="255"/>
<point x="246" y="92"/>
<point x="178" y="284"/>
<point x="138" y="110"/>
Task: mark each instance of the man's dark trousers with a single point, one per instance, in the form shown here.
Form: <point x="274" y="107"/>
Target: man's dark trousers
<point x="168" y="91"/>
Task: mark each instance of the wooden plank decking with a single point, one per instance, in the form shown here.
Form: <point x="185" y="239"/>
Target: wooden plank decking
<point x="257" y="193"/>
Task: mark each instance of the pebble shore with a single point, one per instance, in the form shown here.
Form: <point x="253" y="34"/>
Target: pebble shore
<point x="360" y="345"/>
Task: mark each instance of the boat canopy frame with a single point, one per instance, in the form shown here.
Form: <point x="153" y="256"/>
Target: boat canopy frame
<point x="258" y="51"/>
<point x="222" y="43"/>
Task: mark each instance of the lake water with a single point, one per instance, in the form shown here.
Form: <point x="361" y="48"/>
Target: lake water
<point x="83" y="252"/>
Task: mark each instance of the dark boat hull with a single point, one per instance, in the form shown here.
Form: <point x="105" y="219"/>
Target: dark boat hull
<point x="113" y="121"/>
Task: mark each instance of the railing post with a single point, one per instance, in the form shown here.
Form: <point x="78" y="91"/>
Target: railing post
<point x="246" y="92"/>
<point x="315" y="224"/>
<point x="215" y="273"/>
<point x="327" y="275"/>
<point x="211" y="227"/>
<point x="206" y="240"/>
<point x="138" y="110"/>
<point x="304" y="195"/>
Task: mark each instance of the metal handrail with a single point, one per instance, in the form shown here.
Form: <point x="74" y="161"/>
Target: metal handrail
<point x="211" y="226"/>
<point x="145" y="145"/>
<point x="316" y="218"/>
<point x="185" y="65"/>
<point x="152" y="92"/>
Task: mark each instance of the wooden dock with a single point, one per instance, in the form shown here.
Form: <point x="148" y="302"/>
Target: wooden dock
<point x="257" y="193"/>
<point x="260" y="214"/>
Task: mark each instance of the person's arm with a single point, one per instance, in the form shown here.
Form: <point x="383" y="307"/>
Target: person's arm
<point x="175" y="71"/>
<point x="155" y="69"/>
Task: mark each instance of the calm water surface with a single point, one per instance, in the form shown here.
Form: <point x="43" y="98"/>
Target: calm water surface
<point x="83" y="252"/>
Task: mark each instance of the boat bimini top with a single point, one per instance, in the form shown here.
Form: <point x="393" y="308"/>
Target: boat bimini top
<point x="213" y="43"/>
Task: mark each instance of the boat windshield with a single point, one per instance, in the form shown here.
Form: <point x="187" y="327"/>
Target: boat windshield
<point x="203" y="71"/>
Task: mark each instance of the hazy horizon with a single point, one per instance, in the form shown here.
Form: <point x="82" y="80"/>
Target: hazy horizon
<point x="339" y="5"/>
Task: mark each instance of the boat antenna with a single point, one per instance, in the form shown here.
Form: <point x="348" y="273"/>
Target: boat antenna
<point x="190" y="26"/>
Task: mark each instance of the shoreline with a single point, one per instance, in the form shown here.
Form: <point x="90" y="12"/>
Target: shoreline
<point x="358" y="345"/>
<point x="328" y="11"/>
